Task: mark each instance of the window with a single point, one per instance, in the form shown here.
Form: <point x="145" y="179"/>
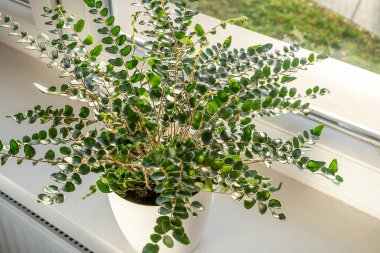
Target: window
<point x="348" y="31"/>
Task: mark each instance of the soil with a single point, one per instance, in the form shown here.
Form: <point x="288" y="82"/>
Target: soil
<point x="147" y="198"/>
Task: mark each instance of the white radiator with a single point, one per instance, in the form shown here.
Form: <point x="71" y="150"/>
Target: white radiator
<point x="22" y="231"/>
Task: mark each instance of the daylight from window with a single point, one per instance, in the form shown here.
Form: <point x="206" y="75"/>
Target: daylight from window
<point x="345" y="30"/>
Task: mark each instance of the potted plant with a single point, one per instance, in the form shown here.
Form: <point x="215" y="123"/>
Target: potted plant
<point x="165" y="130"/>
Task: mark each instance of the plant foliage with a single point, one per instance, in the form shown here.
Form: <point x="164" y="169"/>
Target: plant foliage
<point x="176" y="121"/>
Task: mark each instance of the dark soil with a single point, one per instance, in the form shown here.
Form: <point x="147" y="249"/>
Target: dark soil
<point x="147" y="198"/>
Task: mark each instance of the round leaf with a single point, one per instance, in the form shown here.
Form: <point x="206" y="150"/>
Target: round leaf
<point x="13" y="147"/>
<point x="151" y="248"/>
<point x="29" y="151"/>
<point x="78" y="27"/>
<point x="168" y="241"/>
<point x="69" y="187"/>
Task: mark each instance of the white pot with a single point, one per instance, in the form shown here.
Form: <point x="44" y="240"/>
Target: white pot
<point x="137" y="222"/>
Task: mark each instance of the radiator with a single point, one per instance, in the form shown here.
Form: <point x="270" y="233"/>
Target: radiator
<point x="23" y="231"/>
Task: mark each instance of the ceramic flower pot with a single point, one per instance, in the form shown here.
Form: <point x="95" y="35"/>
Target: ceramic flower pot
<point x="137" y="222"/>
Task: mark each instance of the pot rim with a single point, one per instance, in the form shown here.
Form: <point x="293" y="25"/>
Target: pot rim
<point x="148" y="206"/>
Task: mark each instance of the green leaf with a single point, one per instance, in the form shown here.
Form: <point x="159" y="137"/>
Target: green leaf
<point x="313" y="166"/>
<point x="59" y="177"/>
<point x="227" y="42"/>
<point x="155" y="80"/>
<point x="110" y="21"/>
<point x="102" y="185"/>
<point x="166" y="226"/>
<point x="131" y="64"/>
<point x="197" y="205"/>
<point x="42" y="135"/>
<point x="265" y="48"/>
<point x="339" y="179"/>
<point x="155" y="238"/>
<point x="1" y="146"/>
<point x="76" y="178"/>
<point x="116" y="30"/>
<point x="4" y="159"/>
<point x="286" y="64"/>
<point x="126" y="50"/>
<point x="225" y="169"/>
<point x="199" y="30"/>
<point x="266" y="71"/>
<point x="13" y="147"/>
<point x="168" y="241"/>
<point x="121" y="39"/>
<point x="274" y="203"/>
<point x="206" y="137"/>
<point x="180" y="236"/>
<point x="118" y="62"/>
<point x="107" y="40"/>
<point x="334" y="165"/>
<point x="287" y="79"/>
<point x="65" y="150"/>
<point x="51" y="189"/>
<point x="72" y="45"/>
<point x="43" y="198"/>
<point x="247" y="105"/>
<point x="59" y="198"/>
<point x="53" y="132"/>
<point x="88" y="40"/>
<point x="84" y="169"/>
<point x="249" y="203"/>
<point x="311" y="57"/>
<point x="262" y="208"/>
<point x="212" y="107"/>
<point x="151" y="248"/>
<point x="158" y="176"/>
<point x="263" y="195"/>
<point x="29" y="151"/>
<point x="104" y="12"/>
<point x="112" y="49"/>
<point x="50" y="155"/>
<point x="317" y="131"/>
<point x="69" y="187"/>
<point x="78" y="27"/>
<point x="90" y="3"/>
<point x="136" y="77"/>
<point x="96" y="51"/>
<point x="68" y="110"/>
<point x="179" y="35"/>
<point x="84" y="112"/>
<point x="98" y="4"/>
